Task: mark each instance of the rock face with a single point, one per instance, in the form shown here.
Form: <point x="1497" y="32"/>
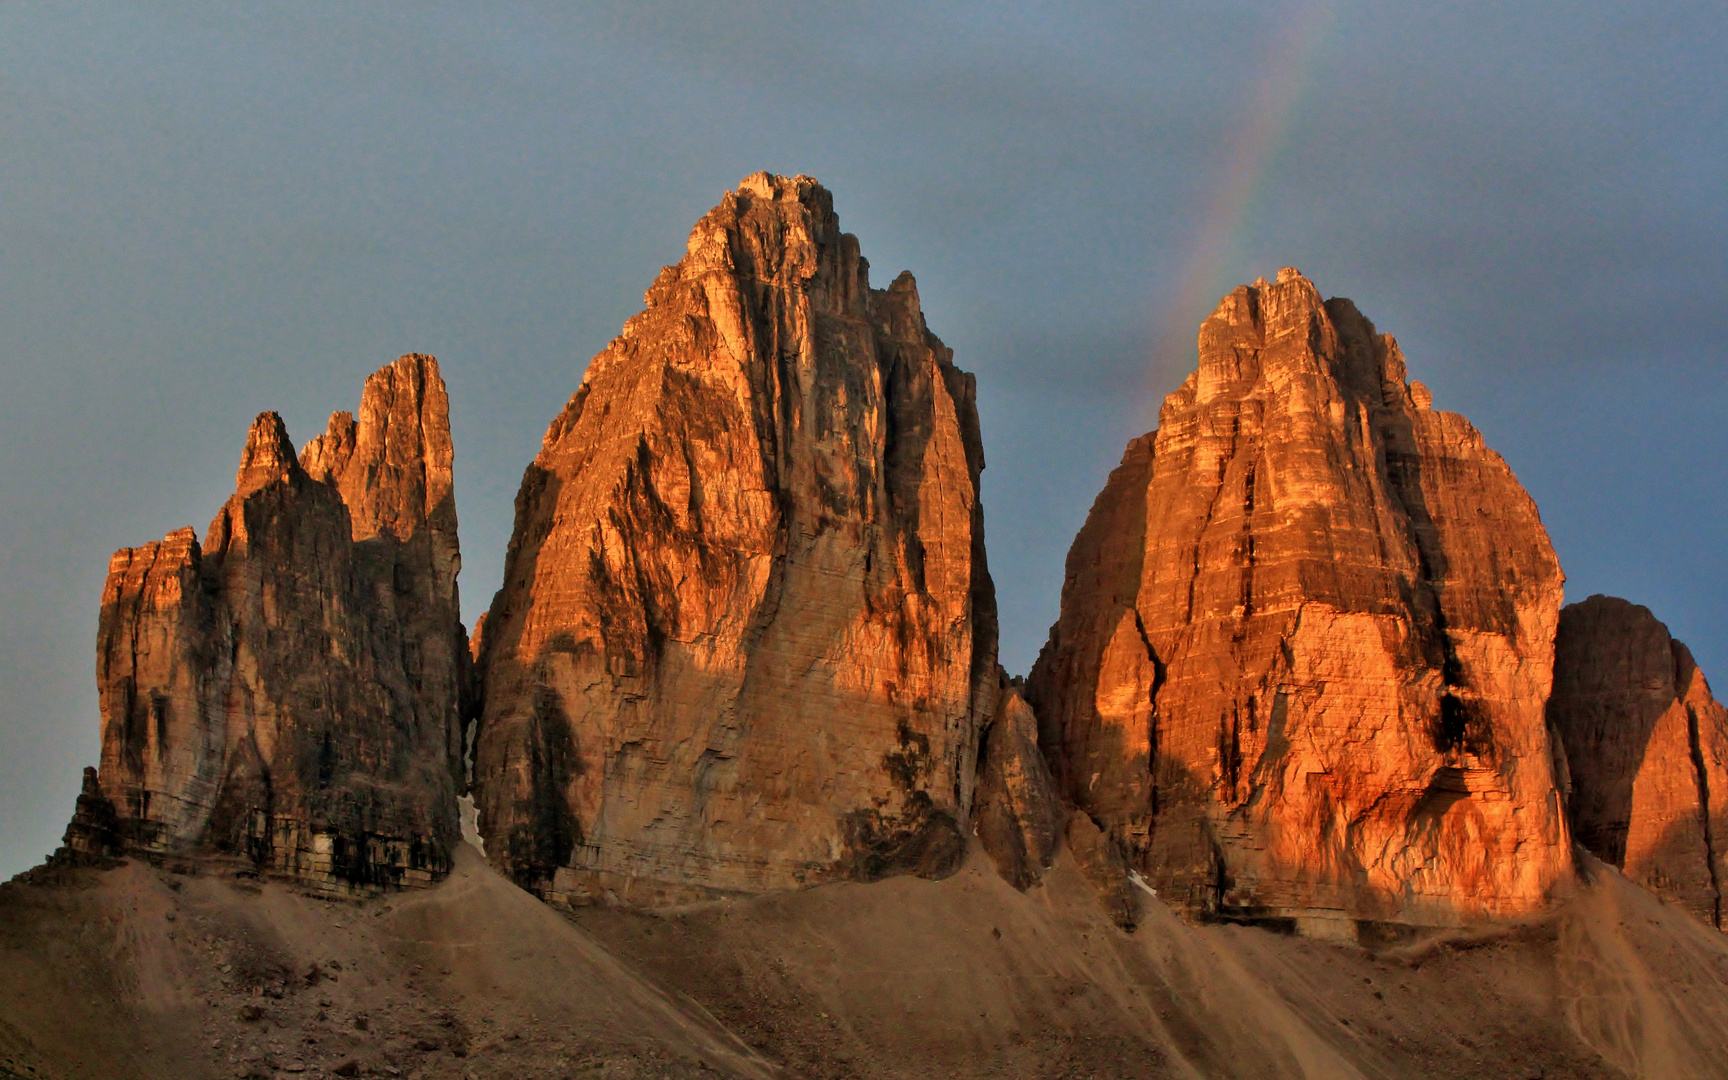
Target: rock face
<point x="1647" y="748"/>
<point x="1017" y="813"/>
<point x="291" y="689"/>
<point x="1306" y="641"/>
<point x="746" y="638"/>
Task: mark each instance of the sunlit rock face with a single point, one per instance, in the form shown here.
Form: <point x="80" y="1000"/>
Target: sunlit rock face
<point x="746" y="639"/>
<point x="1306" y="641"/>
<point x="1647" y="749"/>
<point x="290" y="690"/>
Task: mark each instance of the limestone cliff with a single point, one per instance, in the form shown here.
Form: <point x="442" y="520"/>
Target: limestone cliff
<point x="1647" y="748"/>
<point x="746" y="638"/>
<point x="290" y="689"/>
<point x="1306" y="640"/>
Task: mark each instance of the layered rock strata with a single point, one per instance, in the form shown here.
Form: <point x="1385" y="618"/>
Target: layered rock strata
<point x="1306" y="640"/>
<point x="746" y="638"/>
<point x="290" y="690"/>
<point x="1647" y="749"/>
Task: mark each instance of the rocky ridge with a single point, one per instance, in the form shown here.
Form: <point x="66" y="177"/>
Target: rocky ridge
<point x="1305" y="642"/>
<point x="746" y="638"/>
<point x="289" y="691"/>
<point x="1647" y="750"/>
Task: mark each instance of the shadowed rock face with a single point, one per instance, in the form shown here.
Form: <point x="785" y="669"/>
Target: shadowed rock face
<point x="290" y="690"/>
<point x="1306" y="640"/>
<point x="1017" y="813"/>
<point x="746" y="638"/>
<point x="1647" y="748"/>
<point x="93" y="834"/>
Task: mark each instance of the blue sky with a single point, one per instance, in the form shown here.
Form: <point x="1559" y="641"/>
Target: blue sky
<point x="210" y="210"/>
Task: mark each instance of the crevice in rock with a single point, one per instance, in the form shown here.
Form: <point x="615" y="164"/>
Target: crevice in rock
<point x="1702" y="776"/>
<point x="1461" y="723"/>
<point x="1224" y="460"/>
<point x="1247" y="553"/>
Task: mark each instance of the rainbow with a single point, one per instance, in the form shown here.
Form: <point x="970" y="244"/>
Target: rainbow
<point x="1217" y="241"/>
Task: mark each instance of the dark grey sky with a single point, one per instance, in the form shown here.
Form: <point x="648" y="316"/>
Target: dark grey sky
<point x="207" y="212"/>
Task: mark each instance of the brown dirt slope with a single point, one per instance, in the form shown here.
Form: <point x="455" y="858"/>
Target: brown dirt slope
<point x="968" y="978"/>
<point x="903" y="978"/>
<point x="138" y="972"/>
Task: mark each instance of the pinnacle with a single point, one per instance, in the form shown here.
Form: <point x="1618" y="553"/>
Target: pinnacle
<point x="269" y="455"/>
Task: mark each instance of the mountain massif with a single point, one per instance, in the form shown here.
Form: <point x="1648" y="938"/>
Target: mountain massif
<point x="1314" y="777"/>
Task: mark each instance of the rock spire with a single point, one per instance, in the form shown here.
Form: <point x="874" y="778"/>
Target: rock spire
<point x="1017" y="815"/>
<point x="290" y="690"/>
<point x="746" y="638"/>
<point x="1306" y="639"/>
